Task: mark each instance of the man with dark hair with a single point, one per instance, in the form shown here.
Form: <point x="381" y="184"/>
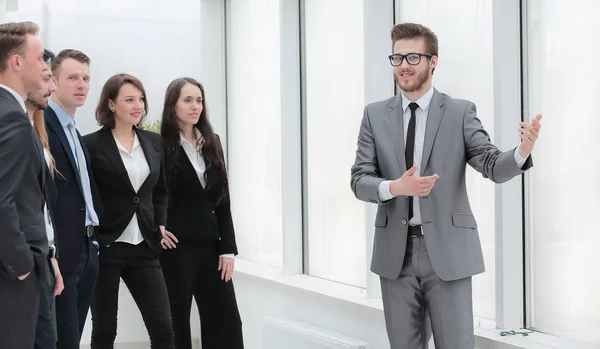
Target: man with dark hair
<point x="51" y="284"/>
<point x="48" y="56"/>
<point x="24" y="244"/>
<point x="78" y="208"/>
<point x="411" y="160"/>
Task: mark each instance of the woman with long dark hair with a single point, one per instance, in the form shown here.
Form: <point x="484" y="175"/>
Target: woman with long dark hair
<point x="199" y="215"/>
<point x="129" y="169"/>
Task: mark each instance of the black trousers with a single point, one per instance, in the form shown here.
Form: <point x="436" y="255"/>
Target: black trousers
<point x="191" y="271"/>
<point x="19" y="302"/>
<point x="73" y="304"/>
<point x="45" y="334"/>
<point x="140" y="269"/>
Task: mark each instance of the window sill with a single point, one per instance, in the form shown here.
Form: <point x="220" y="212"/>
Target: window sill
<point x="490" y="338"/>
<point x="308" y="283"/>
<point x="487" y="336"/>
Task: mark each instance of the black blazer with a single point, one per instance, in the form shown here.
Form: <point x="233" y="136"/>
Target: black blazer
<point x="68" y="205"/>
<point x="193" y="211"/>
<point x="22" y="185"/>
<point x="119" y="199"/>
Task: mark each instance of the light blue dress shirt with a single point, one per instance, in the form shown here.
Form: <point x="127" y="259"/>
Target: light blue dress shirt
<point x="65" y="120"/>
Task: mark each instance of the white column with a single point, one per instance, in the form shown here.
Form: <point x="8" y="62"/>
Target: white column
<point x="291" y="142"/>
<point x="509" y="208"/>
<point x="379" y="85"/>
<point x="212" y="63"/>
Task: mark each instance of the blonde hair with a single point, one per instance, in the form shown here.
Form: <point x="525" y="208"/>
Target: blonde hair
<point x="12" y="39"/>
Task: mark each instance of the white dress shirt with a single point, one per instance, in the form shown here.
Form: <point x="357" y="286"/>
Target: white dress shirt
<point x="195" y="155"/>
<point x="48" y="220"/>
<point x="137" y="170"/>
<point x="420" y="123"/>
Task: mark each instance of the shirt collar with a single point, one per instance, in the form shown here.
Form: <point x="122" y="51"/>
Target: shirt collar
<point x="185" y="143"/>
<point x="136" y="143"/>
<point x="423" y="101"/>
<point x="17" y="97"/>
<point x="64" y="118"/>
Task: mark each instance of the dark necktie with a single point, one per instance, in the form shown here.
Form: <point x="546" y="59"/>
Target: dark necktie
<point x="410" y="149"/>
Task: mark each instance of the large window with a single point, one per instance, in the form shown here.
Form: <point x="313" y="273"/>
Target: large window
<point x="254" y="127"/>
<point x="562" y="82"/>
<point x="334" y="101"/>
<point x="465" y="70"/>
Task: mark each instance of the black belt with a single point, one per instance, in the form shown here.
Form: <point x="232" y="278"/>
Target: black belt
<point x="415" y="231"/>
<point x="89" y="231"/>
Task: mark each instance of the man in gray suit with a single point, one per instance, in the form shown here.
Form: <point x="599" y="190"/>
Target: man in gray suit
<point x="427" y="246"/>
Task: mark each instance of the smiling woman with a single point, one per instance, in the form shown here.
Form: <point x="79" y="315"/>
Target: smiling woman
<point x="122" y="101"/>
<point x="128" y="166"/>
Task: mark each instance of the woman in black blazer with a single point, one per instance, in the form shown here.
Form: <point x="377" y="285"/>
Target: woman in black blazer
<point x="199" y="216"/>
<point x="128" y="165"/>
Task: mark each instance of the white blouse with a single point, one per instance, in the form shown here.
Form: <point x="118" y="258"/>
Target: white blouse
<point x="137" y="170"/>
<point x="47" y="219"/>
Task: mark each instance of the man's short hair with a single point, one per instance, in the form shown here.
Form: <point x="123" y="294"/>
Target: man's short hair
<point x="68" y="53"/>
<point x="416" y="31"/>
<point x="12" y="39"/>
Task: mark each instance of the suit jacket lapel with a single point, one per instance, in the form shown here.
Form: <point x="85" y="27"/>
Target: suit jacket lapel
<point x="152" y="157"/>
<point x="109" y="147"/>
<point x="396" y="123"/>
<point x="55" y="125"/>
<point x="434" y="118"/>
<point x="188" y="169"/>
<point x="40" y="148"/>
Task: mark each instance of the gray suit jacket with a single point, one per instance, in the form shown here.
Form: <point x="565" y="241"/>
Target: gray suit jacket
<point x="454" y="136"/>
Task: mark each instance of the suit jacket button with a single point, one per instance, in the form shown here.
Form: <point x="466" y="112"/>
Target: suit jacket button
<point x="404" y="221"/>
<point x="136" y="200"/>
<point x="82" y="208"/>
<point x="213" y="212"/>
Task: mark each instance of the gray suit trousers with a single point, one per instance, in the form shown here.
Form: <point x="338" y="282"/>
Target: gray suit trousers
<point x="419" y="301"/>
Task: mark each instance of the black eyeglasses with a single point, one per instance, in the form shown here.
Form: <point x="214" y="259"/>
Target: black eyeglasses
<point x="412" y="58"/>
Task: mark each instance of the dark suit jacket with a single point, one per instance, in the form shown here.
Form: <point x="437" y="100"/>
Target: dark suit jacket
<point x="69" y="213"/>
<point x="193" y="211"/>
<point x="119" y="198"/>
<point x="22" y="176"/>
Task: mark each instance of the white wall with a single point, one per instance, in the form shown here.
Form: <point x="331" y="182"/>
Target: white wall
<point x="290" y="297"/>
<point x="157" y="42"/>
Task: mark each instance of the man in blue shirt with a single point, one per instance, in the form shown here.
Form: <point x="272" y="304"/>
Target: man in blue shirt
<point x="78" y="206"/>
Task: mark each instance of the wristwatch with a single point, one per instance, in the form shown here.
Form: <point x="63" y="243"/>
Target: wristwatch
<point x="52" y="252"/>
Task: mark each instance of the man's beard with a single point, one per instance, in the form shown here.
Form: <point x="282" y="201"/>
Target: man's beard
<point x="41" y="104"/>
<point x="421" y="79"/>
